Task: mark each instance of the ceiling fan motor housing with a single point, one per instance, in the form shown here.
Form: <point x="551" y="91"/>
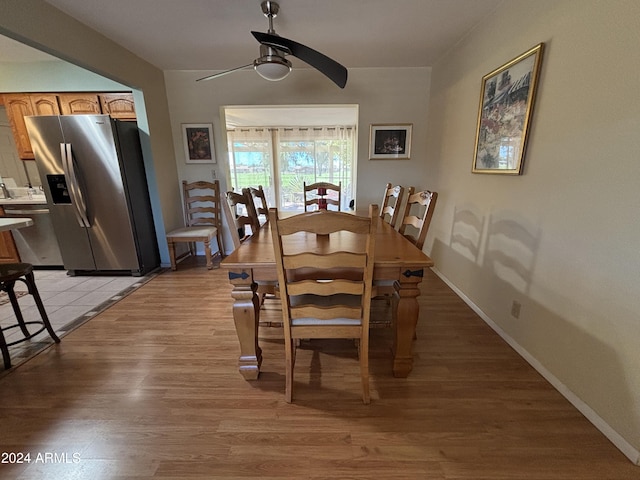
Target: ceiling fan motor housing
<point x="271" y="65"/>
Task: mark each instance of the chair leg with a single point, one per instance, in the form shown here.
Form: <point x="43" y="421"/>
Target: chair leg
<point x="33" y="290"/>
<point x="364" y="369"/>
<point x="207" y="253"/>
<point x="290" y="359"/>
<point x="220" y="245"/>
<point x="172" y="254"/>
<point x="16" y="308"/>
<point x="5" y="352"/>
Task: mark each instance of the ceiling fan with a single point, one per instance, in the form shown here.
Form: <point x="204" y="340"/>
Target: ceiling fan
<point x="272" y="64"/>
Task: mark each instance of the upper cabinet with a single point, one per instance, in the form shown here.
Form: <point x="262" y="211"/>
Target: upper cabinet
<point x="79" y="103"/>
<point x="45" y="104"/>
<point x="20" y="105"/>
<point x="118" y="105"/>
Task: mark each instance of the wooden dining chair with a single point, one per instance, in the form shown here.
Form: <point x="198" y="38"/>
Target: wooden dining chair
<point x="260" y="202"/>
<point x="332" y="299"/>
<point x="202" y="215"/>
<point x="417" y="215"/>
<point x="244" y="212"/>
<point x="392" y="203"/>
<point x="237" y="223"/>
<point x="313" y="195"/>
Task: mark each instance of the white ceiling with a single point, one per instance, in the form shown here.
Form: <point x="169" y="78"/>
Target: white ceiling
<point x="215" y="34"/>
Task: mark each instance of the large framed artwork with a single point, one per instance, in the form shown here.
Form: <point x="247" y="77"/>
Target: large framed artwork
<point x="390" y="141"/>
<point x="198" y="143"/>
<point x="504" y="117"/>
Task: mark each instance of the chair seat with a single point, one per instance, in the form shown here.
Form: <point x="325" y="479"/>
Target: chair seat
<point x="193" y="232"/>
<point x="13" y="271"/>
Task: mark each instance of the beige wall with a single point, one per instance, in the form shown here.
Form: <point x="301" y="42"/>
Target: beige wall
<point x="37" y="24"/>
<point x="382" y="95"/>
<point x="569" y="233"/>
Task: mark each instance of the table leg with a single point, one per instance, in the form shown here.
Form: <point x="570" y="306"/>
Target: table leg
<point x="406" y="310"/>
<point x="246" y="315"/>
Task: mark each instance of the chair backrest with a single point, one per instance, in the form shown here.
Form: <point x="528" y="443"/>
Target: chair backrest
<point x="418" y="214"/>
<point x="260" y="202"/>
<point x="243" y="213"/>
<point x="337" y="261"/>
<point x="392" y="203"/>
<point x="202" y="203"/>
<point x="313" y="195"/>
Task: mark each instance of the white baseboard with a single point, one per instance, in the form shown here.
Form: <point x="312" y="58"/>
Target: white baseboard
<point x="625" y="447"/>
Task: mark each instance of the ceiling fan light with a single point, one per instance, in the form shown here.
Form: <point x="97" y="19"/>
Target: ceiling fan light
<point x="272" y="68"/>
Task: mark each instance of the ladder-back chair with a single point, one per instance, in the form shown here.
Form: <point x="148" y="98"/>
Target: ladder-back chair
<point x="392" y="203"/>
<point x="417" y="214"/>
<point x="244" y="212"/>
<point x="237" y="223"/>
<point x="322" y="194"/>
<point x="332" y="298"/>
<point x="260" y="202"/>
<point x="202" y="214"/>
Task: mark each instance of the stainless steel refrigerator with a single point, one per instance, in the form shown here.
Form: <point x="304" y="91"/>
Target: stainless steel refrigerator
<point x="93" y="176"/>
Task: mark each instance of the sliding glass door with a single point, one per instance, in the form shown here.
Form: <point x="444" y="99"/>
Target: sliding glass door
<point x="281" y="159"/>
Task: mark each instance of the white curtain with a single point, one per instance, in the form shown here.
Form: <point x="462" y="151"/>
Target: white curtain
<point x="282" y="158"/>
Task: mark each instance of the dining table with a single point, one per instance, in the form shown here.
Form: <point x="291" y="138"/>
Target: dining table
<point x="396" y="260"/>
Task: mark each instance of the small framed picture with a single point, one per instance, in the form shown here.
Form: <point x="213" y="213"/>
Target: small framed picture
<point x="198" y="143"/>
<point x="390" y="141"/>
<point x="504" y="116"/>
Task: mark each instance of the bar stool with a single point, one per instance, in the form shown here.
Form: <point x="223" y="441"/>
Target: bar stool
<point x="9" y="274"/>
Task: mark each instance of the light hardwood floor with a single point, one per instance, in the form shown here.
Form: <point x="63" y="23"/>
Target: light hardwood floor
<point x="149" y="389"/>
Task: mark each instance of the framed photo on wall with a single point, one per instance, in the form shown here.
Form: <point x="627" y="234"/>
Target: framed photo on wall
<point x="198" y="143"/>
<point x="504" y="116"/>
<point x="388" y="141"/>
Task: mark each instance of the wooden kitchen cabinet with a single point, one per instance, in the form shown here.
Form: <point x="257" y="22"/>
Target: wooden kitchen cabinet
<point x="45" y="104"/>
<point x="8" y="250"/>
<point x="118" y="105"/>
<point x="20" y="105"/>
<point x="79" y="103"/>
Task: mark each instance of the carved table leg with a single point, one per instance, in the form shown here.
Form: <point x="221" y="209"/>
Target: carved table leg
<point x="405" y="320"/>
<point x="246" y="315"/>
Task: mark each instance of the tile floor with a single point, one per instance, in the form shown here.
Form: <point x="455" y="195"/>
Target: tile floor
<point x="69" y="302"/>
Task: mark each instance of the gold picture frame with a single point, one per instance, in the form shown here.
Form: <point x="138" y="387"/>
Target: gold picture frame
<point x="198" y="143"/>
<point x="390" y="141"/>
<point x="504" y="115"/>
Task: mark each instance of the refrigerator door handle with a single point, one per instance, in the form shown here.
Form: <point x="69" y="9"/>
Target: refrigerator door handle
<point x="75" y="193"/>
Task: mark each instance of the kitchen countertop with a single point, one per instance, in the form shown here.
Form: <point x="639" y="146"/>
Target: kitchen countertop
<point x="36" y="200"/>
<point x="11" y="223"/>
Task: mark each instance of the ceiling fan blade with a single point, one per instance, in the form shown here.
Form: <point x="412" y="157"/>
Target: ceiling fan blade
<point x="329" y="67"/>
<point x="220" y="74"/>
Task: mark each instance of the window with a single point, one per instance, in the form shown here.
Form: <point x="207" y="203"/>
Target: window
<point x="282" y="158"/>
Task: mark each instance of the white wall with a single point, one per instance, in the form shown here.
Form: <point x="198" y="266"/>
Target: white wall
<point x="571" y="221"/>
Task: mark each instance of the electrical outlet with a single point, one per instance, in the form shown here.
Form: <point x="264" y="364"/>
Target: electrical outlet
<point x="213" y="173"/>
<point x="515" y="309"/>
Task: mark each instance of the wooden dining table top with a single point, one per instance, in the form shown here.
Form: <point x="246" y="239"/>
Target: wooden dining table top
<point x="391" y="249"/>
